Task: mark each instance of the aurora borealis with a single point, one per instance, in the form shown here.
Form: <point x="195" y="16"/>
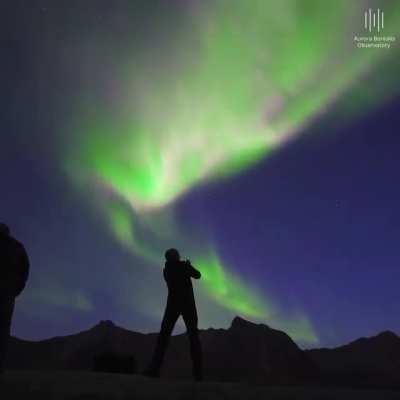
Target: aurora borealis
<point x="170" y="101"/>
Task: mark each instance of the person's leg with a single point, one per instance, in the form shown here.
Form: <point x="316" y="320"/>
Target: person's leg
<point x="170" y="317"/>
<point x="190" y="318"/>
<point x="6" y="311"/>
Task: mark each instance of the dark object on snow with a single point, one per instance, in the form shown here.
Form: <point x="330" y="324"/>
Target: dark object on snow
<point x="115" y="363"/>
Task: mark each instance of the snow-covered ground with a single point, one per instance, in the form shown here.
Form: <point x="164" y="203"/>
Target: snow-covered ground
<point x="92" y="386"/>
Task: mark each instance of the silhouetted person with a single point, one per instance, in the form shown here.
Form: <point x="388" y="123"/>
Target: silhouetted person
<point x="180" y="302"/>
<point x="14" y="270"/>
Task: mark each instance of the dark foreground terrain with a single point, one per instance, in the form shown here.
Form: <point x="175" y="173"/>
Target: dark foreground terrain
<point x="246" y="353"/>
<point x="74" y="385"/>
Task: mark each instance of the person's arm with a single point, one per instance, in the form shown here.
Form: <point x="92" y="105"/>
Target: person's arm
<point x="22" y="271"/>
<point x="193" y="272"/>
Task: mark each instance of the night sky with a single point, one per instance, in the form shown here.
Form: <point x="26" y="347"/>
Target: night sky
<point x="128" y="127"/>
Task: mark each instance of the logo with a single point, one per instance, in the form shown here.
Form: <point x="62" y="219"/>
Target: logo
<point x="374" y="20"/>
<point x="372" y="37"/>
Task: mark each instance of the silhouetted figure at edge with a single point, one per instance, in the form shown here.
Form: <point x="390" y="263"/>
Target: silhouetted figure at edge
<point x="180" y="301"/>
<point x="14" y="270"/>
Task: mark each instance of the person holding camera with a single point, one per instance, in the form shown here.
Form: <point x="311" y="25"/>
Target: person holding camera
<point x="178" y="275"/>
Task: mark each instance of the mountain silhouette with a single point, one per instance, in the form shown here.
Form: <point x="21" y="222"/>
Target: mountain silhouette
<point x="244" y="352"/>
<point x="370" y="361"/>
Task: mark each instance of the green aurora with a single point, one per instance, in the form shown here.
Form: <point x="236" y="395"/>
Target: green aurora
<point x="246" y="78"/>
